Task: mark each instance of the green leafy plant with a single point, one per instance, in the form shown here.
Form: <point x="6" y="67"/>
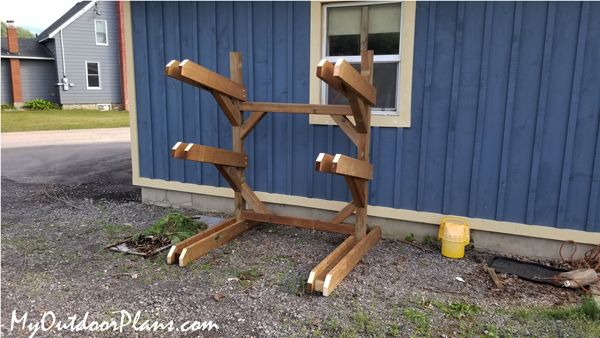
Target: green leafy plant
<point x="174" y="226"/>
<point x="39" y="104"/>
<point x="7" y="106"/>
<point x="410" y="237"/>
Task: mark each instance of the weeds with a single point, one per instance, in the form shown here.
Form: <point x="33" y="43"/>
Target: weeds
<point x="418" y="319"/>
<point x="174" y="226"/>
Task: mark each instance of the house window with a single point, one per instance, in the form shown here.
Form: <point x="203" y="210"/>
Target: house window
<point x="387" y="28"/>
<point x="101" y="32"/>
<point x="348" y="29"/>
<point x="92" y="74"/>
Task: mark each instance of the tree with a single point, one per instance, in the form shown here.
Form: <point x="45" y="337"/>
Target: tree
<point x="21" y="32"/>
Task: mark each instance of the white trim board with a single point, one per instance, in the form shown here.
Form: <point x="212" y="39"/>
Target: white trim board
<point x="27" y="57"/>
<point x="520" y="229"/>
<point x="70" y="20"/>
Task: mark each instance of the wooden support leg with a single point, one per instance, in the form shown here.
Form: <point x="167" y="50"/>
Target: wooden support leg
<point x="176" y="249"/>
<point x="214" y="240"/>
<point x="328" y="274"/>
<point x="349" y="261"/>
<point x="317" y="275"/>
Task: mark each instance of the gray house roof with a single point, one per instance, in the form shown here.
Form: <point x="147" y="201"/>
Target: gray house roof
<point x="28" y="49"/>
<point x="63" y="20"/>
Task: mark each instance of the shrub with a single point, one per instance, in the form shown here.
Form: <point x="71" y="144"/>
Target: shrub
<point x="39" y="104"/>
<point x="7" y="106"/>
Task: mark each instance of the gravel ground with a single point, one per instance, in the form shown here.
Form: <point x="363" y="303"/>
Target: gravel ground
<point x="53" y="259"/>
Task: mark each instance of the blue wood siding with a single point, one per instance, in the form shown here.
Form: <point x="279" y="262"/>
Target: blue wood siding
<point x="505" y="107"/>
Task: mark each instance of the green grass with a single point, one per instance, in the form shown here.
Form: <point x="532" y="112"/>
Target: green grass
<point x="30" y="120"/>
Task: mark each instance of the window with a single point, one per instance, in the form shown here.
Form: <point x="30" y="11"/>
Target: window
<point x="387" y="28"/>
<point x="92" y="73"/>
<point x="101" y="32"/>
<point x="350" y="29"/>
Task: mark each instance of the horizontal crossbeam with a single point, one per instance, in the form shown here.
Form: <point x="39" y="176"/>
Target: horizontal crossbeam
<point x="296" y="108"/>
<point x="206" y="154"/>
<point x="298" y="222"/>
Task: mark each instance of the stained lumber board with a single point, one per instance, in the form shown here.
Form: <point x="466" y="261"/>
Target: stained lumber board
<point x="324" y="162"/>
<point x="356" y="185"/>
<point x="214" y="240"/>
<point x="231" y="111"/>
<point x="348" y="166"/>
<point x="349" y="261"/>
<point x="344" y="165"/>
<point x="347" y="127"/>
<point x="353" y="80"/>
<point x="296" y="108"/>
<point x="299" y="222"/>
<point x="206" y="78"/>
<point x="238" y="183"/>
<point x="251" y="122"/>
<point x="327" y="264"/>
<point x="176" y="249"/>
<point x="325" y="73"/>
<point x="201" y="153"/>
<point x="364" y="142"/>
<point x="237" y="140"/>
<point x="344" y="213"/>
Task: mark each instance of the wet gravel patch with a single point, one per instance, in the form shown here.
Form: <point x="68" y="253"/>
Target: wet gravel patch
<point x="54" y="259"/>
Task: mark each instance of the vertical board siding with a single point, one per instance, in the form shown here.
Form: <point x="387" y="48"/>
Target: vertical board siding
<point x="505" y="107"/>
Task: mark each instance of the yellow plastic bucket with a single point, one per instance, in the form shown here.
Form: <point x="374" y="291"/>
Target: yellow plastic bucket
<point x="454" y="234"/>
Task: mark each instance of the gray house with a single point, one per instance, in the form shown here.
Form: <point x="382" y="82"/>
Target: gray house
<point x="84" y="47"/>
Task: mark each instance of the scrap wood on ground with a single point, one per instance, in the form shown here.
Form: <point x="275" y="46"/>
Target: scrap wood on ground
<point x="169" y="230"/>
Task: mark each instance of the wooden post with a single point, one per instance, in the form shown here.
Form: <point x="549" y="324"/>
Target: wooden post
<point x="235" y="74"/>
<point x="364" y="144"/>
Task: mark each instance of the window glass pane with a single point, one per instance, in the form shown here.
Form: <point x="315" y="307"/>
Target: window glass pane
<point x="384" y="28"/>
<point x="343" y="30"/>
<point x="93" y="81"/>
<point x="92" y="68"/>
<point x="101" y="26"/>
<point x="385" y="76"/>
<point x="100" y="31"/>
<point x="100" y="37"/>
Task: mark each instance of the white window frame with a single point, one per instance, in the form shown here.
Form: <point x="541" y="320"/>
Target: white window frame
<point x="96" y="32"/>
<point x="387" y="58"/>
<point x="404" y="95"/>
<point x="87" y="76"/>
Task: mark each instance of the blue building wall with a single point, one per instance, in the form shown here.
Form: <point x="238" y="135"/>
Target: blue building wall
<point x="505" y="107"/>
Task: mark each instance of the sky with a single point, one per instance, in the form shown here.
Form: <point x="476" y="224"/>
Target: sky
<point x="34" y="15"/>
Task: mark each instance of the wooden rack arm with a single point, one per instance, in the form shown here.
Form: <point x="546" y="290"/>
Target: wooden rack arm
<point x="200" y="153"/>
<point x="296" y="108"/>
<point x="349" y="166"/>
<point x="344" y="165"/>
<point x="199" y="76"/>
<point x="325" y="73"/>
<point x="354" y="81"/>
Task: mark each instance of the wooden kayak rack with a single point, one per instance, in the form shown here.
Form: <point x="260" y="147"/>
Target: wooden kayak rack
<point x="231" y="96"/>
